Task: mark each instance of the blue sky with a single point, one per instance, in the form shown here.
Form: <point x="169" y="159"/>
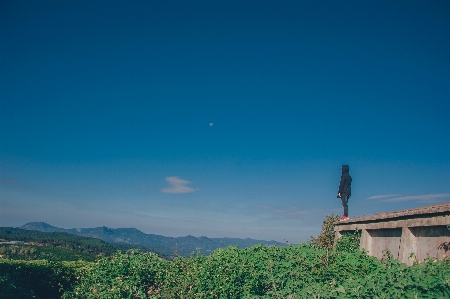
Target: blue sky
<point x="221" y="118"/>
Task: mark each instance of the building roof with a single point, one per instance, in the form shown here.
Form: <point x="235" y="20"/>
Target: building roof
<point x="426" y="211"/>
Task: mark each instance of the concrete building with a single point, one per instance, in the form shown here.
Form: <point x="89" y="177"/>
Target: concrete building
<point x="410" y="235"/>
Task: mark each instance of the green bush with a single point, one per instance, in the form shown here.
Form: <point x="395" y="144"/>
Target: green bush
<point x="300" y="271"/>
<point x="326" y="237"/>
<point x="123" y="275"/>
<point x="348" y="242"/>
<point x="36" y="279"/>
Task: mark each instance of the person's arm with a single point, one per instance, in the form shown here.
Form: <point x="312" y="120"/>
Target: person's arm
<point x="341" y="185"/>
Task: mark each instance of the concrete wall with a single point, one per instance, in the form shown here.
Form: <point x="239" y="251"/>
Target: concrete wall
<point x="426" y="239"/>
<point x="411" y="236"/>
<point x="385" y="239"/>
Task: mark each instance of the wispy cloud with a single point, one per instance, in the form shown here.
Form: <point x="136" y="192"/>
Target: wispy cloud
<point x="293" y="212"/>
<point x="399" y="197"/>
<point x="177" y="185"/>
<point x="383" y="196"/>
<point x="424" y="197"/>
<point x="8" y="180"/>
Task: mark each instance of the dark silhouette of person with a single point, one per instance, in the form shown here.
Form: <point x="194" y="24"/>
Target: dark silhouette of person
<point x="345" y="190"/>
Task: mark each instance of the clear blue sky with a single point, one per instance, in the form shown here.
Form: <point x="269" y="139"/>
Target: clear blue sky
<point x="221" y="118"/>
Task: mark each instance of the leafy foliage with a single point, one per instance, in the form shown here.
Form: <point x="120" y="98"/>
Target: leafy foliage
<point x="299" y="271"/>
<point x="36" y="279"/>
<point x="349" y="242"/>
<point x="326" y="237"/>
<point x="124" y="275"/>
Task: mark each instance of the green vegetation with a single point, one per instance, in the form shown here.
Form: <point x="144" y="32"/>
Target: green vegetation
<point x="312" y="270"/>
<point x="35" y="252"/>
<point x="300" y="271"/>
<point x="55" y="246"/>
<point x="36" y="279"/>
<point x="326" y="237"/>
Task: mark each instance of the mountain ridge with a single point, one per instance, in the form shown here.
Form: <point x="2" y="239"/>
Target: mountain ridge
<point x="171" y="246"/>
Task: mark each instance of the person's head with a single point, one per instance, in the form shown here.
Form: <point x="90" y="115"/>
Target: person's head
<point x="345" y="168"/>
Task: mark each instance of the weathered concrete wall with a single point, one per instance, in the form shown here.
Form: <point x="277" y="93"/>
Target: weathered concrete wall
<point x="409" y="235"/>
<point x="426" y="239"/>
<point x="385" y="239"/>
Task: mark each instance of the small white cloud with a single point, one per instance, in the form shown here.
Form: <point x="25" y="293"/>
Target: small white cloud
<point x="424" y="197"/>
<point x="384" y="196"/>
<point x="297" y="213"/>
<point x="266" y="207"/>
<point x="292" y="212"/>
<point x="177" y="185"/>
<point x="211" y="124"/>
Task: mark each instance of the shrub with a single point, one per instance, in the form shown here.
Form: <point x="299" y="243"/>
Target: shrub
<point x="36" y="279"/>
<point x="349" y="242"/>
<point x="123" y="275"/>
<point x="326" y="237"/>
<point x="296" y="271"/>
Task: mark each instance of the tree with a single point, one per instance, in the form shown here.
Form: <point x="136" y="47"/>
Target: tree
<point x="326" y="237"/>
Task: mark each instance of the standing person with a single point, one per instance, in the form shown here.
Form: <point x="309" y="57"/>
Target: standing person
<point x="345" y="190"/>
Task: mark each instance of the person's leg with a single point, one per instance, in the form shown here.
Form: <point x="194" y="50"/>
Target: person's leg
<point x="344" y="199"/>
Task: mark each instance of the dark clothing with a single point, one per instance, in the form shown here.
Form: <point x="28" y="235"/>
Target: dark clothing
<point x="344" y="199"/>
<point x="346" y="182"/>
<point x="345" y="189"/>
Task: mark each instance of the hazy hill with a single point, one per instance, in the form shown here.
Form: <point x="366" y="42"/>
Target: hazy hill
<point x="169" y="245"/>
<point x="16" y="243"/>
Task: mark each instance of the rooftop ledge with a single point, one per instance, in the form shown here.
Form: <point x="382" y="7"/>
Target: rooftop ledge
<point x="442" y="209"/>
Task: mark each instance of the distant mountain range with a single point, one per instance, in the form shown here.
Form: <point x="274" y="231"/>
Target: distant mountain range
<point x="166" y="246"/>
